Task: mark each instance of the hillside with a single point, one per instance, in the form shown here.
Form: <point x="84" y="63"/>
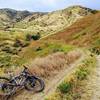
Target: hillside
<point x="15" y="50"/>
<point x="85" y="32"/>
<point x="57" y="21"/>
<point x="68" y="35"/>
<point x="11" y="16"/>
<point x="54" y="21"/>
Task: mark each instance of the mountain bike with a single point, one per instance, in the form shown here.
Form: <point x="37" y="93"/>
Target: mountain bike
<point x="25" y="80"/>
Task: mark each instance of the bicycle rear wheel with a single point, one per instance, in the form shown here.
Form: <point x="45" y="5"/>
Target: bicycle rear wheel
<point x="5" y="87"/>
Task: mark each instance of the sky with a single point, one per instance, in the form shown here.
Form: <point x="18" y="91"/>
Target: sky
<point x="47" y="5"/>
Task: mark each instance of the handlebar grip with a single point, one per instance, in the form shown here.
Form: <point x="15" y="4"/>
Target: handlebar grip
<point x="25" y="67"/>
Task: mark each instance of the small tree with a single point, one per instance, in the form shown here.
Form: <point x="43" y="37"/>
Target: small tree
<point x="36" y="37"/>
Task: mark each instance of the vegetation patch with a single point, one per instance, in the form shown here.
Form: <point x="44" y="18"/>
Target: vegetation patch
<point x="65" y="87"/>
<point x="55" y="47"/>
<point x="53" y="63"/>
<point x="45" y="48"/>
<point x="95" y="48"/>
<point x="72" y="87"/>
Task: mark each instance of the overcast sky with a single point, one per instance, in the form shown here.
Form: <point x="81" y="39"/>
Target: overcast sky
<point x="47" y="5"/>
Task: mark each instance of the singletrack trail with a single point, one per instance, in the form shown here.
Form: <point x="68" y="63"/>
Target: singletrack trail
<point x="92" y="89"/>
<point x="96" y="82"/>
<point x="51" y="85"/>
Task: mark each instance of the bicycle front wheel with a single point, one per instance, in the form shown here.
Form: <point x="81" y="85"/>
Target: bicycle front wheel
<point x="34" y="84"/>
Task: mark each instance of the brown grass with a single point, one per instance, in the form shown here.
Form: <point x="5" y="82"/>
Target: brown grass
<point x="50" y="65"/>
<point x="76" y="87"/>
<point x="88" y="29"/>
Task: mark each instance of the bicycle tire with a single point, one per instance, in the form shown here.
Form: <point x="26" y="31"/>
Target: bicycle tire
<point x="7" y="79"/>
<point x="5" y="85"/>
<point x="30" y="87"/>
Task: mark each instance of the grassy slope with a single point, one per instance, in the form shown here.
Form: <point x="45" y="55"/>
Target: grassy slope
<point x="9" y="60"/>
<point x="73" y="86"/>
<point x="43" y="48"/>
<point x="88" y="34"/>
<point x="84" y="32"/>
<point x="54" y="21"/>
<point x="8" y="17"/>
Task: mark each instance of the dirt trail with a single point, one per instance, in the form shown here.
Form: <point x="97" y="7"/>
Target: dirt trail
<point x="51" y="84"/>
<point x="92" y="91"/>
<point x="96" y="82"/>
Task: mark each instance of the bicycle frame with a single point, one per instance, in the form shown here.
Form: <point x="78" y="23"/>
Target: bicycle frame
<point x="22" y="78"/>
<point x="25" y="80"/>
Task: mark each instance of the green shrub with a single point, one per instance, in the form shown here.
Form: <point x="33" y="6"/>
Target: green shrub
<point x="65" y="87"/>
<point x="57" y="50"/>
<point x="36" y="37"/>
<point x="73" y="88"/>
<point x="95" y="50"/>
<point x="5" y="60"/>
<point x="38" y="49"/>
<point x="20" y="43"/>
<point x="82" y="73"/>
<point x="94" y="11"/>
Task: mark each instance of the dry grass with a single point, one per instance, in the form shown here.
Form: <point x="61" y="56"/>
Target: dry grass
<point x="84" y="32"/>
<point x="73" y="87"/>
<point x="47" y="66"/>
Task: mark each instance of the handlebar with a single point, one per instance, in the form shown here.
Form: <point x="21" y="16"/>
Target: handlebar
<point x="25" y="71"/>
<point x="25" y="67"/>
